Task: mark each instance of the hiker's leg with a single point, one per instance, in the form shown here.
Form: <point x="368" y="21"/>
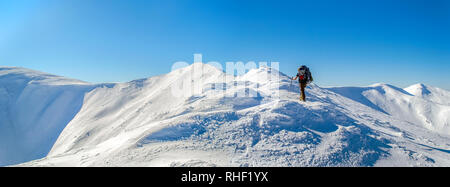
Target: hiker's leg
<point x="302" y="88"/>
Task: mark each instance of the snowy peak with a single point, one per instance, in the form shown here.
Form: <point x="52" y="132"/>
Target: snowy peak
<point x="430" y="93"/>
<point x="35" y="77"/>
<point x="264" y="69"/>
<point x="197" y="72"/>
<point x="418" y="104"/>
<point x="418" y="89"/>
<point x="388" y="89"/>
<point x="198" y="68"/>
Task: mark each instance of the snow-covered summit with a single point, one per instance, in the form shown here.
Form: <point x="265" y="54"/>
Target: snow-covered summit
<point x="418" y="89"/>
<point x="407" y="104"/>
<point x="253" y="119"/>
<point x="430" y="93"/>
<point x="34" y="108"/>
<point x="35" y="77"/>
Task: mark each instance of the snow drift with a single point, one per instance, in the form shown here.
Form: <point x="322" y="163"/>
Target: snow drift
<point x="140" y="123"/>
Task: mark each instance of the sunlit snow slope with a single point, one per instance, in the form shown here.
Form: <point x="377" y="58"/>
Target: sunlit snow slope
<point x="143" y="123"/>
<point x="34" y="108"/>
<point x="417" y="104"/>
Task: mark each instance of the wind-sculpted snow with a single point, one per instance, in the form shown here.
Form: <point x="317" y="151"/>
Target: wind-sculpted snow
<point x="290" y="134"/>
<point x="255" y="119"/>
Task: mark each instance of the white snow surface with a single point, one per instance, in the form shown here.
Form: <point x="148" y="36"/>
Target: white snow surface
<point x="48" y="120"/>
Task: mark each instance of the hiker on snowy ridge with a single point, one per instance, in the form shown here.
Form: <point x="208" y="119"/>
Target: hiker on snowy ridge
<point x="304" y="78"/>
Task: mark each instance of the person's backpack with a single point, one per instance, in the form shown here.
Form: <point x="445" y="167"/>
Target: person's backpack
<point x="303" y="70"/>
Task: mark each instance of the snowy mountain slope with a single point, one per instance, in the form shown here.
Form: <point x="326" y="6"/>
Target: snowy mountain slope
<point x="416" y="104"/>
<point x="143" y="123"/>
<point x="430" y="93"/>
<point x="34" y="108"/>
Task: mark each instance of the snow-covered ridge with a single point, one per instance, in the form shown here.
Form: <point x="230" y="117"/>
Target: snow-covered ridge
<point x="417" y="104"/>
<point x="141" y="123"/>
<point x="36" y="77"/>
<point x="34" y="108"/>
<point x="433" y="94"/>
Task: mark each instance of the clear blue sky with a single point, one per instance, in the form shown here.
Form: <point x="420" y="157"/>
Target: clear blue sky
<point x="345" y="43"/>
